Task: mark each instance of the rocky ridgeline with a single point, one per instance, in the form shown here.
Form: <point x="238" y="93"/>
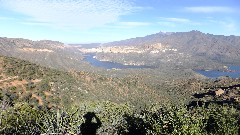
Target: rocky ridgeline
<point x="20" y="42"/>
<point x="47" y="53"/>
<point x="223" y="95"/>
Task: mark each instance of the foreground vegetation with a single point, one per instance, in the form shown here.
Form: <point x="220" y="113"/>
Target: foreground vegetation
<point x="21" y="118"/>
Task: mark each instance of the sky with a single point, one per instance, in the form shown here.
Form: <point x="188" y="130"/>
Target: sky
<point x="101" y="21"/>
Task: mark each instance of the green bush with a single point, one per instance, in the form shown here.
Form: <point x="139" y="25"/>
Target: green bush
<point x="121" y="119"/>
<point x="181" y="120"/>
<point x="20" y="119"/>
<point x="110" y="114"/>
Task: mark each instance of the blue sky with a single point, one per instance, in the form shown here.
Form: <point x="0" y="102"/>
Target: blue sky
<point x="88" y="21"/>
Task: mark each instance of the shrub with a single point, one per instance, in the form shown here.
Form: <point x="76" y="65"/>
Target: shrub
<point x="20" y="119"/>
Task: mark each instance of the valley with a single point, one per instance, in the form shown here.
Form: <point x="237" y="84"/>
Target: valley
<point x="151" y="61"/>
<point x="130" y="79"/>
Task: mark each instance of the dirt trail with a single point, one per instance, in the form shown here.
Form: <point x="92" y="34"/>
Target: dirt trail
<point x="47" y="93"/>
<point x="36" y="80"/>
<point x="9" y="78"/>
<point x="12" y="81"/>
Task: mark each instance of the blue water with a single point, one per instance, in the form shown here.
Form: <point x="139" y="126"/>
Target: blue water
<point x="109" y="65"/>
<point x="211" y="74"/>
<point x="234" y="68"/>
<point x="214" y="73"/>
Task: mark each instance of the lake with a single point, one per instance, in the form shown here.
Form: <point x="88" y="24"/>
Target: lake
<point x="113" y="65"/>
<point x="235" y="72"/>
<point x="109" y="65"/>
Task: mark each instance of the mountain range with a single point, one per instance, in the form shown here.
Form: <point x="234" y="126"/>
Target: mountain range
<point x="221" y="48"/>
<point x="198" y="46"/>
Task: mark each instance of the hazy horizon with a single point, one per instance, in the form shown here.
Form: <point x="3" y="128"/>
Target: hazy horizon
<point x="89" y="21"/>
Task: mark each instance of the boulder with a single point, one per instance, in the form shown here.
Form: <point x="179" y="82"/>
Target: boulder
<point x="219" y="92"/>
<point x="236" y="99"/>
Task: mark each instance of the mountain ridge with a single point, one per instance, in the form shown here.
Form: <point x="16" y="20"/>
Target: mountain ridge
<point x="215" y="47"/>
<point x="193" y="48"/>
